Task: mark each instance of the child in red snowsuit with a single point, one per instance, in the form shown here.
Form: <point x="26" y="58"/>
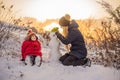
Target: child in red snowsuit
<point x="31" y="47"/>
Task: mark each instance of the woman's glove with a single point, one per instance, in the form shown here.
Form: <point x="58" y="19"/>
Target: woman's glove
<point x="55" y="29"/>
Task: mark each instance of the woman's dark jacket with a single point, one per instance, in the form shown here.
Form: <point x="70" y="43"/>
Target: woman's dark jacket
<point x="75" y="38"/>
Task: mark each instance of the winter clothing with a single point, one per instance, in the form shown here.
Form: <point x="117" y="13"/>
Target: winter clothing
<point x="32" y="60"/>
<point x="29" y="31"/>
<point x="22" y="60"/>
<point x="62" y="58"/>
<point x="75" y="38"/>
<point x="30" y="47"/>
<point x="68" y="59"/>
<point x="81" y="61"/>
<point x="65" y="20"/>
<point x="55" y="29"/>
<point x="29" y="34"/>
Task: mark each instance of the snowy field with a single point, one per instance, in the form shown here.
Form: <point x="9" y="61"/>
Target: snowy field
<point x="13" y="69"/>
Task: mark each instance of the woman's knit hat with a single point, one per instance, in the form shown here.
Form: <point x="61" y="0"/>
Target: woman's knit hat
<point x="65" y="20"/>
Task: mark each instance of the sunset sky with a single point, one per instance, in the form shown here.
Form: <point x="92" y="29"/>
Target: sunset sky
<point x="52" y="9"/>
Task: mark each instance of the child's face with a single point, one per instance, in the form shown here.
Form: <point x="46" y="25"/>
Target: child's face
<point x="33" y="38"/>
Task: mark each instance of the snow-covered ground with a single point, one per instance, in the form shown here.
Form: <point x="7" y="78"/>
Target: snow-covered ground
<point x="11" y="68"/>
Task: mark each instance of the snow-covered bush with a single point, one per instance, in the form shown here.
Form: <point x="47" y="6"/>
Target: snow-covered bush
<point x="10" y="38"/>
<point x="110" y="59"/>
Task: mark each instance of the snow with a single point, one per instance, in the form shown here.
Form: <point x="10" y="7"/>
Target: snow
<point x="55" y="53"/>
<point x="11" y="68"/>
<point x="14" y="69"/>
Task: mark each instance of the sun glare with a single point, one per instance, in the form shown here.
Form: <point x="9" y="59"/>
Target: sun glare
<point x="78" y="9"/>
<point x="53" y="25"/>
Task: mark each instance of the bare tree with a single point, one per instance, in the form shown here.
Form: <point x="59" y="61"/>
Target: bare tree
<point x="6" y="13"/>
<point x="114" y="13"/>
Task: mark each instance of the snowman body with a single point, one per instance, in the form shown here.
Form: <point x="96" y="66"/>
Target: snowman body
<point x="54" y="45"/>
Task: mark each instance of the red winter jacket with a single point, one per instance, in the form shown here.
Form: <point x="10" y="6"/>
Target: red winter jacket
<point x="31" y="48"/>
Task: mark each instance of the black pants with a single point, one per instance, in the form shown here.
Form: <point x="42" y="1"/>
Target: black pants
<point x="32" y="59"/>
<point x="68" y="59"/>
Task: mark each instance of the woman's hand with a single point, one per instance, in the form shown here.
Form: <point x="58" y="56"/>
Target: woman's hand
<point x="55" y="29"/>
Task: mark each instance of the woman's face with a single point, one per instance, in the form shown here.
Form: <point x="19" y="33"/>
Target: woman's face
<point x="33" y="38"/>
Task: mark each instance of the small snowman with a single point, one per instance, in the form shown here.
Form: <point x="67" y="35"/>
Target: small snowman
<point x="56" y="47"/>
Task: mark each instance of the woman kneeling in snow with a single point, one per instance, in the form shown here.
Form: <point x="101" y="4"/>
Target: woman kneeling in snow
<point x="32" y="47"/>
<point x="78" y="51"/>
